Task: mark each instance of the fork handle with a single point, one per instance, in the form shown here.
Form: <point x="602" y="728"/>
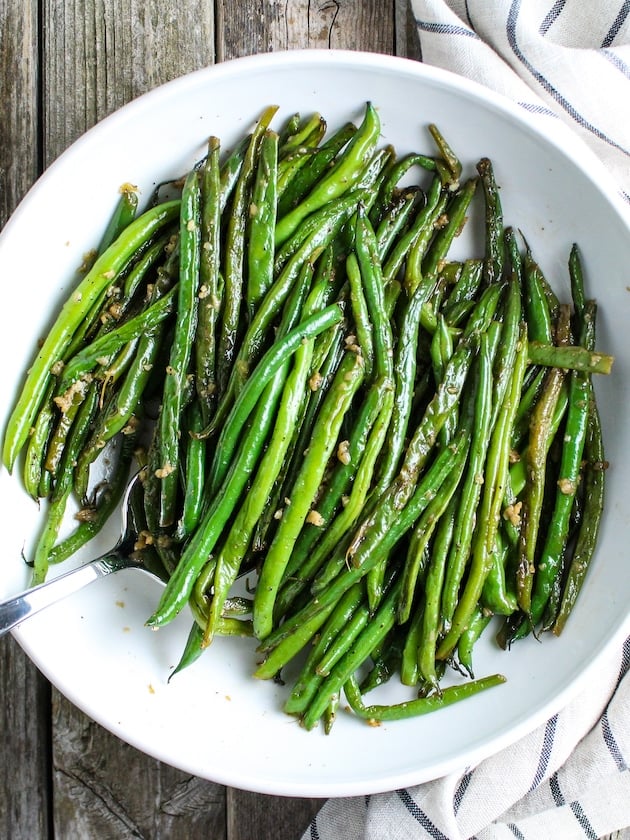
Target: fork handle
<point x="14" y="610"/>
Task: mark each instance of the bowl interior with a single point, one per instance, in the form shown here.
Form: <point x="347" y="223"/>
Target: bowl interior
<point x="214" y="720"/>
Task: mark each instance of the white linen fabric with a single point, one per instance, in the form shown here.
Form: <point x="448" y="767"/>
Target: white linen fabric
<point x="570" y="778"/>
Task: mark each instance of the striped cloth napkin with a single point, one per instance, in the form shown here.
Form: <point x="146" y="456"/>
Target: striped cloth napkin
<point x="570" y="778"/>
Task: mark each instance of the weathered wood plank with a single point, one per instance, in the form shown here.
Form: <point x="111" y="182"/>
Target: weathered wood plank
<point x="98" y="55"/>
<point x="24" y="694"/>
<point x="266" y="25"/>
<point x="18" y="94"/>
<point x="255" y="815"/>
<point x="25" y="756"/>
<point x="104" y="788"/>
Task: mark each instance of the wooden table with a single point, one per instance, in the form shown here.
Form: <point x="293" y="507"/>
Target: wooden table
<point x="64" y="65"/>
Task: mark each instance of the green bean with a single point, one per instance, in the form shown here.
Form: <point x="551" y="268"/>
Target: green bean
<point x="235" y="253"/>
<point x="553" y="549"/>
<point x="112" y="342"/>
<point x="231" y="555"/>
<point x="386" y="659"/>
<point x="451" y="160"/>
<point x="365" y="334"/>
<point x="472" y="483"/>
<point x="60" y="495"/>
<point x="75" y="309"/>
<point x="308" y="133"/>
<point x="409" y="672"/>
<point x="511" y="335"/>
<point x="422" y="705"/>
<point x="494" y="261"/>
<point x="478" y="623"/>
<point x="231" y="170"/>
<point x="374" y="285"/>
<point x="354" y="503"/>
<point x="594" y="486"/>
<point x="394" y="222"/>
<point x="420" y="231"/>
<point x="375" y="541"/>
<point x="220" y="508"/>
<point x="339" y="179"/>
<point x="433" y="584"/>
<point x="398" y="170"/>
<point x="304" y="491"/>
<point x="371" y="634"/>
<point x="318" y="387"/>
<point x="423" y="531"/>
<point x="405" y="366"/>
<point x="530" y="266"/>
<point x="268" y="365"/>
<point x="571" y="357"/>
<point x="194" y="474"/>
<point x="120" y="410"/>
<point x="94" y="517"/>
<point x="261" y="253"/>
<point x="69" y="405"/>
<point x="37" y="446"/>
<point x="192" y="650"/>
<point x="441" y="350"/>
<point x="314" y="166"/>
<point x="425" y="265"/>
<point x="496" y="596"/>
<point x="536" y="471"/>
<point x="124" y="213"/>
<point x="552" y="554"/>
<point x="209" y="282"/>
<point x="329" y="224"/>
<point x="181" y="347"/>
<point x="518" y="469"/>
<point x="497" y="465"/>
<point x="465" y="288"/>
<point x="357" y="465"/>
<point x="539" y="316"/>
<point x="309" y="678"/>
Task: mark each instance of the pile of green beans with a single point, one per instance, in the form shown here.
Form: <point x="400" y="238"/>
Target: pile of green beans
<point x="396" y="445"/>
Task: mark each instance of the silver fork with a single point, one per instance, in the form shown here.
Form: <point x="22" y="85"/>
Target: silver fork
<point x="20" y="607"/>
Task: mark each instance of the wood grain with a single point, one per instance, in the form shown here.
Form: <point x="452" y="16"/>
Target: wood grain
<point x="24" y="694"/>
<point x="246" y="28"/>
<point x="98" y="55"/>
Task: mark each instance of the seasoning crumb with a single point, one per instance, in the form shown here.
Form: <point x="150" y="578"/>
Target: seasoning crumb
<point x="567" y="486"/>
<point x="120" y="604"/>
<point x="163" y="472"/>
<point x="314" y="517"/>
<point x="145" y="538"/>
<point x="343" y="452"/>
<point x="151" y="689"/>
<point x="314" y="383"/>
<point x="513" y="513"/>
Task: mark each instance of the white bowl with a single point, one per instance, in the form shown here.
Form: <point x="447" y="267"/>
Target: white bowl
<point x="215" y="721"/>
